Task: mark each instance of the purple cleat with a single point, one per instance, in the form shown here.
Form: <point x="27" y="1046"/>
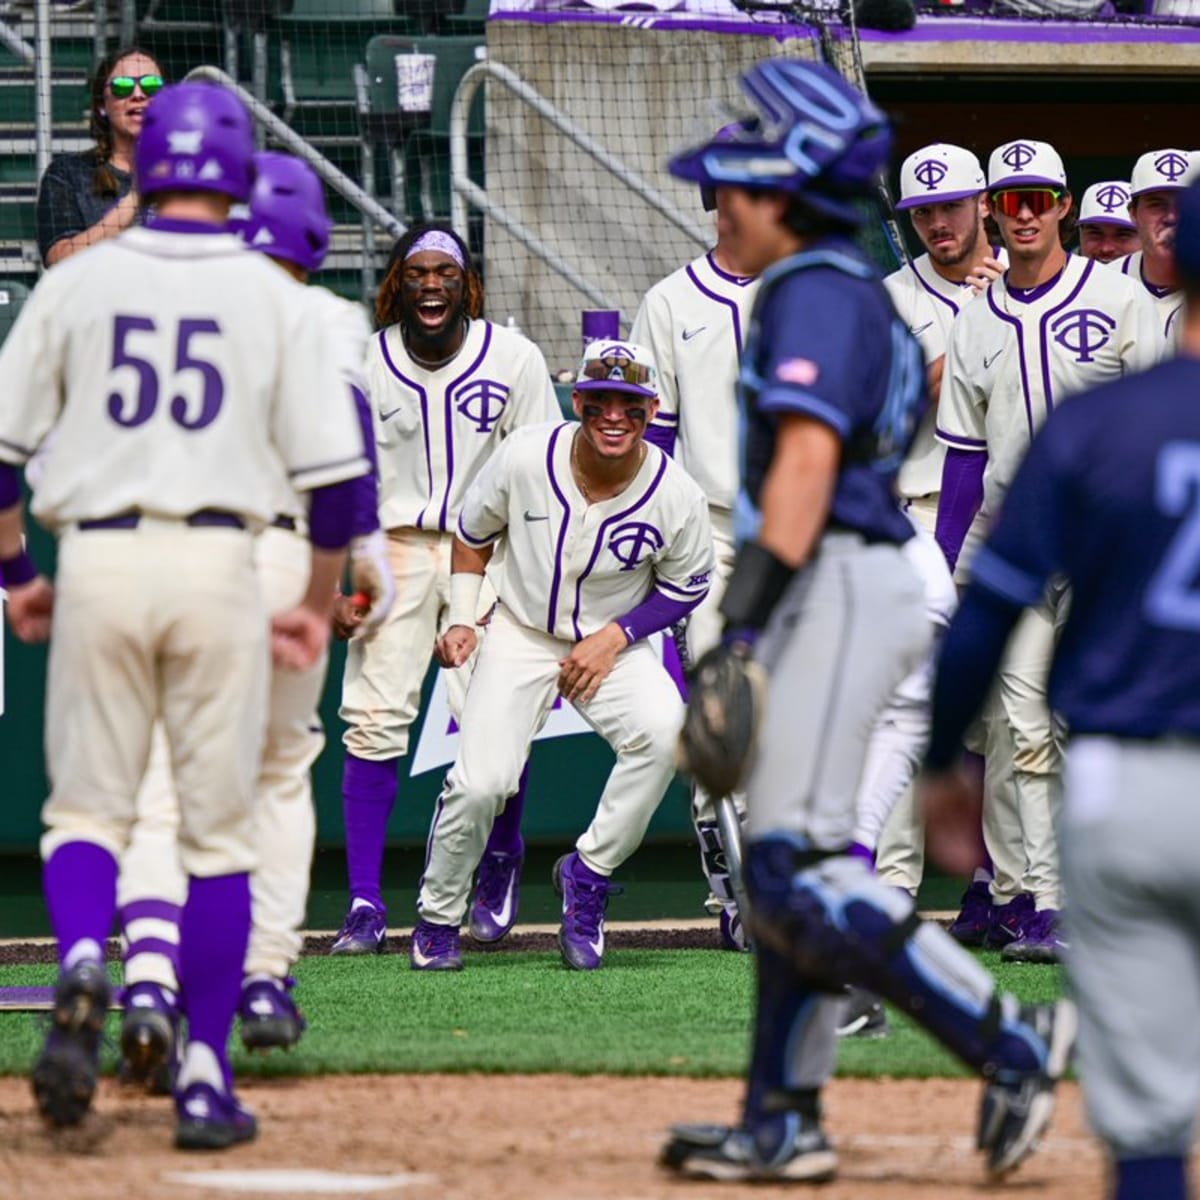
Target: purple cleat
<point x="1008" y="921"/>
<point x="364" y="931"/>
<point x="149" y="1039"/>
<point x="270" y="1017"/>
<point x="494" y="910"/>
<point x="210" y="1119"/>
<point x="733" y="932"/>
<point x="581" y="938"/>
<point x="1041" y="939"/>
<point x="435" y="947"/>
<point x="974" y="919"/>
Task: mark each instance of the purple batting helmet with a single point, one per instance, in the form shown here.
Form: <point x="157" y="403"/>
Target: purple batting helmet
<point x="288" y="218"/>
<point x="196" y="137"/>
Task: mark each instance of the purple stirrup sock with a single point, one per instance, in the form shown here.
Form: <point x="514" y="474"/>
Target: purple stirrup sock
<point x="214" y="933"/>
<point x="80" y="882"/>
<point x="368" y="796"/>
<point x="858" y="850"/>
<point x="506" y="829"/>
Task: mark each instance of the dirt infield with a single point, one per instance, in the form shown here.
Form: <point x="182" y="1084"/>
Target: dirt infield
<point x="442" y="1137"/>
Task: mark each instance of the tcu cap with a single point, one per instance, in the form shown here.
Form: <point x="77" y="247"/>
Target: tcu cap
<point x="1106" y="203"/>
<point x="937" y="173"/>
<point x="1160" y="171"/>
<point x="1025" y="163"/>
<point x="616" y="366"/>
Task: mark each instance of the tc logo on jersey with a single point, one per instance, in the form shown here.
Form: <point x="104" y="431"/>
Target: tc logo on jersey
<point x="1112" y="197"/>
<point x="633" y="541"/>
<point x="1171" y="165"/>
<point x="1083" y="331"/>
<point x="930" y="173"/>
<point x="1018" y="155"/>
<point x="482" y="401"/>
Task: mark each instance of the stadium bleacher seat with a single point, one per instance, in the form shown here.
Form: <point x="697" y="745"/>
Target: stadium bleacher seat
<point x="470" y="19"/>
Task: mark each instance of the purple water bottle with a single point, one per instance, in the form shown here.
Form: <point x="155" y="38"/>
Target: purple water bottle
<point x="601" y="324"/>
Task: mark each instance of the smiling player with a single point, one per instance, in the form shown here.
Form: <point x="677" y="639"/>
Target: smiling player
<point x="596" y="540"/>
<point x="1105" y="231"/>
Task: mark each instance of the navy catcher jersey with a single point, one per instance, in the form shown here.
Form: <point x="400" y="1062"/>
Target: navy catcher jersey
<point x="1109" y="496"/>
<point x="825" y="342"/>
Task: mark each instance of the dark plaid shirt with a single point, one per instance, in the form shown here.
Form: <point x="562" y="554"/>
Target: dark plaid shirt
<point x="67" y="201"/>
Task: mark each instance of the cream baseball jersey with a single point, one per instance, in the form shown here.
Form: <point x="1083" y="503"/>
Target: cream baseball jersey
<point x="435" y="429"/>
<point x="927" y="304"/>
<point x="156" y="404"/>
<point x="1010" y="362"/>
<point x="694" y="323"/>
<point x="570" y="567"/>
<point x="1166" y="303"/>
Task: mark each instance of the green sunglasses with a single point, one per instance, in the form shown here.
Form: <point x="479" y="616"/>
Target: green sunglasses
<point x="122" y="87"/>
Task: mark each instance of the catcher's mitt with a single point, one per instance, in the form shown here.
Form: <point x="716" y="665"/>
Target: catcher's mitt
<point x="727" y="695"/>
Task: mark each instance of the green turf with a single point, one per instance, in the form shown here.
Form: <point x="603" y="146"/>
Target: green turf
<point x="656" y="1012"/>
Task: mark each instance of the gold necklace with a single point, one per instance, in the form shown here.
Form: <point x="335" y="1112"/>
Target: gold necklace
<point x="577" y="472"/>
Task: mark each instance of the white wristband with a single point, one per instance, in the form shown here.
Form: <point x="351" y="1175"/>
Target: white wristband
<point x="464" y="598"/>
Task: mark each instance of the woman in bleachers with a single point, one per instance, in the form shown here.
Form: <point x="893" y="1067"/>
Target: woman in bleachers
<point x="85" y="198"/>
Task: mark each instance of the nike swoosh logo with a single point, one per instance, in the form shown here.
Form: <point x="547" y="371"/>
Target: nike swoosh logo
<point x="389" y="415"/>
<point x="504" y="915"/>
<point x="688" y="334"/>
<point x="915" y="330"/>
<point x="987" y="362"/>
<point x="530" y="517"/>
<point x="598" y="946"/>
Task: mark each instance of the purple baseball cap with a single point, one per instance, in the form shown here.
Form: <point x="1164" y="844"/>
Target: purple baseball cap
<point x="616" y="366"/>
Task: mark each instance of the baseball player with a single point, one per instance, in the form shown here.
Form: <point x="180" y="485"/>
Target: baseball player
<point x="178" y="401"/>
<point x="832" y="389"/>
<point x="447" y="387"/>
<point x="1110" y="504"/>
<point x="287" y="220"/>
<point x="693" y="323"/>
<point x="1053" y="325"/>
<point x="942" y="188"/>
<point x="1158" y="177"/>
<point x="1105" y="231"/>
<point x="596" y="540"/>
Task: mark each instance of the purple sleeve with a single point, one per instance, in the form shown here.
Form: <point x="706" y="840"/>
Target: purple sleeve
<point x="366" y="493"/>
<point x="663" y="437"/>
<point x="331" y="514"/>
<point x="10" y="485"/>
<point x="656" y="612"/>
<point x="961" y="496"/>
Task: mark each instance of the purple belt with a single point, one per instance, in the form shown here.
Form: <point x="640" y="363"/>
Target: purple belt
<point x="204" y="518"/>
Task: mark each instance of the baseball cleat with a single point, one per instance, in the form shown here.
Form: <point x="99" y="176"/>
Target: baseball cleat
<point x="364" y="931"/>
<point x="864" y="1017"/>
<point x="494" y="909"/>
<point x="787" y="1147"/>
<point x="733" y="931"/>
<point x="270" y="1017"/>
<point x="210" y="1119"/>
<point x="974" y="918"/>
<point x="1008" y="921"/>
<point x="65" y="1074"/>
<point x="1017" y="1107"/>
<point x="149" y="1039"/>
<point x="1041" y="940"/>
<point x="436" y="948"/>
<point x="585" y="901"/>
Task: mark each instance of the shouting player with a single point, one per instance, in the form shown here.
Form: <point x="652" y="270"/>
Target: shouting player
<point x="596" y="540"/>
<point x="1051" y="326"/>
<point x="1105" y="231"/>
<point x="288" y="220"/>
<point x="1110" y="503"/>
<point x="176" y="401"/>
<point x="447" y="388"/>
<point x="832" y="389"/>
<point x="694" y="323"/>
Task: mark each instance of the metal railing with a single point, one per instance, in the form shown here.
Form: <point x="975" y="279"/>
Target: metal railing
<point x="464" y="191"/>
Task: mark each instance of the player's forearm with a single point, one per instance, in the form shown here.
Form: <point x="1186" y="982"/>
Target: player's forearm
<point x="324" y="578"/>
<point x="16" y="565"/>
<point x="366" y="492"/>
<point x="467" y="565"/>
<point x="472" y="560"/>
<point x="655" y="613"/>
<point x="798" y="491"/>
<point x="960" y="498"/>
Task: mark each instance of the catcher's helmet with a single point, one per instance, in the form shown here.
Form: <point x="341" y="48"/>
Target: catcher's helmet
<point x="196" y="137"/>
<point x="816" y="136"/>
<point x="287" y="218"/>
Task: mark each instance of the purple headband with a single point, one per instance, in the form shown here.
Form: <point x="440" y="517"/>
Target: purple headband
<point x="435" y="239"/>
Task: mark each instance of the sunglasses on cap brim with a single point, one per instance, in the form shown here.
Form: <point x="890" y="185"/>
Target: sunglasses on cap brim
<point x="121" y="87"/>
<point x="1038" y="200"/>
<point x="617" y="370"/>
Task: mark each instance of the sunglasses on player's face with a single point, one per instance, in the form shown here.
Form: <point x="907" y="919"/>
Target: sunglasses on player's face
<point x="1010" y="201"/>
<point x="121" y="87"/>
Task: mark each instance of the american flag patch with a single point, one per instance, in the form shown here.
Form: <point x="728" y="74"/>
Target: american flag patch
<point x="801" y="371"/>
